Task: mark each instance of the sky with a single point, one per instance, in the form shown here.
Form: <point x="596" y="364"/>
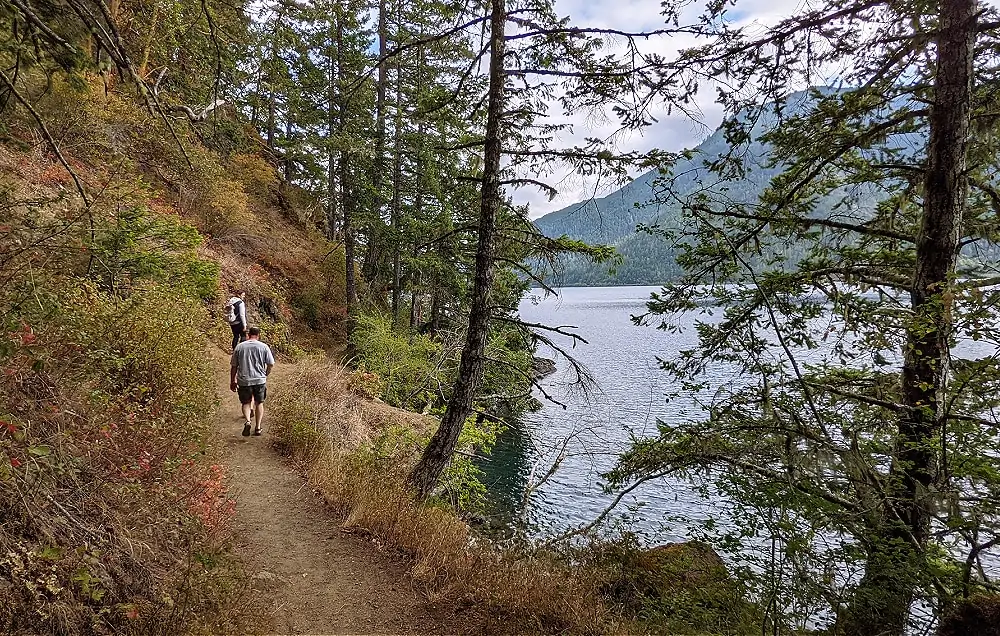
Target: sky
<point x="671" y="132"/>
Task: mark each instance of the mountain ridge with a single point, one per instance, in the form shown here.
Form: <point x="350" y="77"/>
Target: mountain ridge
<point x="614" y="219"/>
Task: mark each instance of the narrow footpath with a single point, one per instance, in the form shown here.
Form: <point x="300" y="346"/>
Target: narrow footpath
<point x="319" y="579"/>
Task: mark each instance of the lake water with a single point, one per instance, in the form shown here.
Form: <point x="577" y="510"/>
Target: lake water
<point x="629" y="398"/>
<point x="626" y="403"/>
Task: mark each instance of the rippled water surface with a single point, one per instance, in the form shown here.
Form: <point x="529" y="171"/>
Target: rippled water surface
<point x="627" y="401"/>
<point x="629" y="398"/>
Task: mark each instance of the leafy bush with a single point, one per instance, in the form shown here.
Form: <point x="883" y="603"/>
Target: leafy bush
<point x="137" y="245"/>
<point x="219" y="205"/>
<point x="409" y="365"/>
<point x="104" y="414"/>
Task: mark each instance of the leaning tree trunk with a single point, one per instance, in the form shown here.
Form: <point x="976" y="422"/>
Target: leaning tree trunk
<point x="896" y="562"/>
<point x="470" y="371"/>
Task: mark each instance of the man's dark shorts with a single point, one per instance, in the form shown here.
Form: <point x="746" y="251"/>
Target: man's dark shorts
<point x="258" y="392"/>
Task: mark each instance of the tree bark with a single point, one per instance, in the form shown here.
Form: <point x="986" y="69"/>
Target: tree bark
<point x="372" y="265"/>
<point x="271" y="114"/>
<point x="896" y="563"/>
<point x="289" y="165"/>
<point x="346" y="196"/>
<point x="397" y="185"/>
<point x="442" y="446"/>
<point x="331" y="130"/>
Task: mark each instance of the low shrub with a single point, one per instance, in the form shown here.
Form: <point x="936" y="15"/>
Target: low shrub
<point x="219" y="206"/>
<point x="975" y="616"/>
<point x="409" y="366"/>
<point x="357" y="453"/>
<point x="111" y="523"/>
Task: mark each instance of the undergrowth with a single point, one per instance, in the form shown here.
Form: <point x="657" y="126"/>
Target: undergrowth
<point x="114" y="514"/>
<point x="356" y="453"/>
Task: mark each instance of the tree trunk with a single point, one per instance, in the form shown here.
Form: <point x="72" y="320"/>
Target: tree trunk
<point x="372" y="264"/>
<point x="397" y="183"/>
<point x="288" y="165"/>
<point x="442" y="446"/>
<point x="414" y="305"/>
<point x="347" y="200"/>
<point x="148" y="44"/>
<point x="350" y="285"/>
<point x="331" y="156"/>
<point x="897" y="552"/>
<point x="271" y="114"/>
<point x="435" y="321"/>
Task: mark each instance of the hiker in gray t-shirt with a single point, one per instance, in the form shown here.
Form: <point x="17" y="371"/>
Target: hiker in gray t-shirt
<point x="250" y="365"/>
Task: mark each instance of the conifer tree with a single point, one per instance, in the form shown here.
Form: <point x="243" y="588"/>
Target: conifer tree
<point x="861" y="446"/>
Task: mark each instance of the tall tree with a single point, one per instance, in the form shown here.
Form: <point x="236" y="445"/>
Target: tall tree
<point x="442" y="445"/>
<point x="874" y="455"/>
<point x="522" y="64"/>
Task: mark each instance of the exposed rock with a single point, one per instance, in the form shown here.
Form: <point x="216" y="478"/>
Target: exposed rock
<point x="683" y="584"/>
<point x="666" y="568"/>
<point x="542" y="367"/>
<point x="977" y="616"/>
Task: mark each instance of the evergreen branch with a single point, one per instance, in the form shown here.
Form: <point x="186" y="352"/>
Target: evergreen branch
<point x="527" y="272"/>
<point x="895" y="406"/>
<point x="865" y="399"/>
<point x="803" y="221"/>
<point x="631" y="35"/>
<point x="782" y="341"/>
<point x="989" y="190"/>
<point x="430" y="39"/>
<point x="577" y="74"/>
<point x="458" y="230"/>
<point x="459" y="86"/>
<point x="855" y="142"/>
<point x="561" y="330"/>
<point x="798" y="26"/>
<point x="544" y="187"/>
<point x="462" y="146"/>
<point x="860" y="274"/>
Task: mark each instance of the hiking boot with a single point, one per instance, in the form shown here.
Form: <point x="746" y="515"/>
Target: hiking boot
<point x="246" y="429"/>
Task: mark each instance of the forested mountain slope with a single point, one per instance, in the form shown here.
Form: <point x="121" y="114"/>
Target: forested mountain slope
<point x="655" y="199"/>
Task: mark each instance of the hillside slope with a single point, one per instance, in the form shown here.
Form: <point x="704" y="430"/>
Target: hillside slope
<point x="615" y="219"/>
<point x="115" y="255"/>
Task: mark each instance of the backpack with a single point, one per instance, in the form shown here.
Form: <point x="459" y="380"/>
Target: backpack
<point x="232" y="313"/>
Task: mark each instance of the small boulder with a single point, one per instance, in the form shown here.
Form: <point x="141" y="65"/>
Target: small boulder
<point x="542" y="367"/>
<point x="976" y="616"/>
<point x="680" y="586"/>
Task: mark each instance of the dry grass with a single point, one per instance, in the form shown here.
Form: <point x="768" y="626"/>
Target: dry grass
<point x="356" y="453"/>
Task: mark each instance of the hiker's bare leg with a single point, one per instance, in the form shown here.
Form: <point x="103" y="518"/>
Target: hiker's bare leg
<point x="258" y="414"/>
<point x="246" y="410"/>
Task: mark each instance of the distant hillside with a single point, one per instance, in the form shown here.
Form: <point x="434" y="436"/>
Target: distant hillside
<point x="612" y="220"/>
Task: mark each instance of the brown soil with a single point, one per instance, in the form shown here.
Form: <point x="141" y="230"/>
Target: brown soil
<point x="318" y="579"/>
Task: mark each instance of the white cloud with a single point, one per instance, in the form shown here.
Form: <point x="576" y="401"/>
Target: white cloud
<point x="671" y="132"/>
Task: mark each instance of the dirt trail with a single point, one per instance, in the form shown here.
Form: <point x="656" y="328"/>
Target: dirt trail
<point x="319" y="579"/>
